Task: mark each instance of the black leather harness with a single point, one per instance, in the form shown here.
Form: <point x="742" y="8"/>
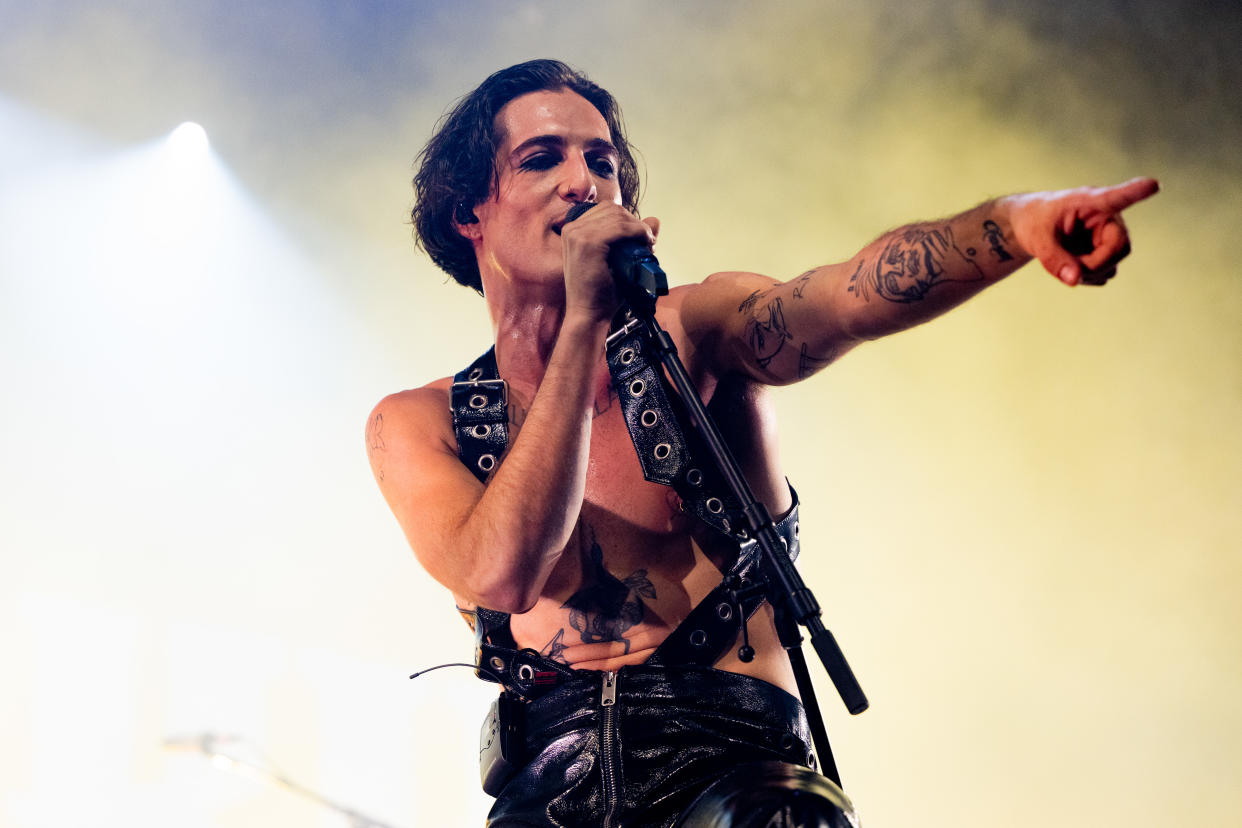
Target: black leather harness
<point x="669" y="454"/>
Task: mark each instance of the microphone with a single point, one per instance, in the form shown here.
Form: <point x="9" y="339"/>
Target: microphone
<point x="634" y="267"/>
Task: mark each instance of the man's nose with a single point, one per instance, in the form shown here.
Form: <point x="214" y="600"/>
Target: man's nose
<point x="577" y="183"/>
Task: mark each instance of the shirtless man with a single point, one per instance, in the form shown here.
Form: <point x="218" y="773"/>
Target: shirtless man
<point x="594" y="564"/>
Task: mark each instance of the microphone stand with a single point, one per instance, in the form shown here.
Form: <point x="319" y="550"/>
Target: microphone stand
<point x="640" y="280"/>
<point x="207" y="744"/>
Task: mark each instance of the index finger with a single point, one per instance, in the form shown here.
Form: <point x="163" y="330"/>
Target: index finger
<point x="1124" y="195"/>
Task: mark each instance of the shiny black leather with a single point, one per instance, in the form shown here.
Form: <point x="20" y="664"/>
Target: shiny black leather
<point x="640" y="762"/>
<point x="771" y="795"/>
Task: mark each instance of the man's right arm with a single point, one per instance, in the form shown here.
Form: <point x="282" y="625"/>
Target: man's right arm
<point x="493" y="545"/>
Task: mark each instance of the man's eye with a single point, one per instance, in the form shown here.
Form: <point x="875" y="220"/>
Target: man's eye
<point x="540" y="161"/>
<point x="604" y="167"/>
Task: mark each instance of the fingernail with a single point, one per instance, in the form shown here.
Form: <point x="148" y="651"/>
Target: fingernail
<point x="1067" y="275"/>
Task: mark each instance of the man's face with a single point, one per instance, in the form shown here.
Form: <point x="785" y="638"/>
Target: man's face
<point x="554" y="150"/>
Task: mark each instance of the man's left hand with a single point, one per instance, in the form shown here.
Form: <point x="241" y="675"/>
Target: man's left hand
<point x="1078" y="235"/>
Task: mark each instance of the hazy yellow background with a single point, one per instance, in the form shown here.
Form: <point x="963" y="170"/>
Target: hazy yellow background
<point x="1022" y="519"/>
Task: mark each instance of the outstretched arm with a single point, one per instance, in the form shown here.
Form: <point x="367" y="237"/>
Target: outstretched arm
<point x="781" y="332"/>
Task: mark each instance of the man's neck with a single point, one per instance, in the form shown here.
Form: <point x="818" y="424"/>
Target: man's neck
<point x="526" y="321"/>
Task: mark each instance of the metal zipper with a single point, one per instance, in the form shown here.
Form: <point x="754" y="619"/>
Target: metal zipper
<point x="608" y="745"/>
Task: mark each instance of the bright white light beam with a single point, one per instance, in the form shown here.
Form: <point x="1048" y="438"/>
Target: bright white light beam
<point x="189" y="139"/>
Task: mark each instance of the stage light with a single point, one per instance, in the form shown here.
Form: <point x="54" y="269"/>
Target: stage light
<point x="189" y="139"/>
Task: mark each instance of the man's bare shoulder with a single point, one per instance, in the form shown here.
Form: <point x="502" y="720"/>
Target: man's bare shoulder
<point x="406" y="419"/>
<point x="710" y="317"/>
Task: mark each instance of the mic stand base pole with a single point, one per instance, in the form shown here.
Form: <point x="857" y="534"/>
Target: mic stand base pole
<point x="791" y="640"/>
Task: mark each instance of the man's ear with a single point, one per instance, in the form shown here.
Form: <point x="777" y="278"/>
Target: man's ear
<point x="465" y="221"/>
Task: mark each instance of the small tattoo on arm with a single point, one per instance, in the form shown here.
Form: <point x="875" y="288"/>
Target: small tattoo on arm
<point x="748" y="302"/>
<point x="800" y="284"/>
<point x="994" y="237"/>
<point x="767" y="332"/>
<point x="376" y="444"/>
<point x="808" y="364"/>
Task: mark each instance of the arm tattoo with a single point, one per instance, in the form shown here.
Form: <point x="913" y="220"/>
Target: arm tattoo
<point x="808" y="364"/>
<point x="910" y="266"/>
<point x="767" y="331"/>
<point x="800" y="284"/>
<point x="748" y="302"/>
<point x="994" y="237"/>
<point x="605" y="607"/>
<point x="375" y="442"/>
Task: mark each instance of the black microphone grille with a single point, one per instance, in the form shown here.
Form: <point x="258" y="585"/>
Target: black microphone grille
<point x="577" y="210"/>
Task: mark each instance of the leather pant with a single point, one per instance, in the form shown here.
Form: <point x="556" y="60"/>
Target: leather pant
<point x="639" y="752"/>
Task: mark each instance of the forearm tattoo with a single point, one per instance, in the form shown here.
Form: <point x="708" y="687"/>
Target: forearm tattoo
<point x="995" y="238"/>
<point x="913" y="263"/>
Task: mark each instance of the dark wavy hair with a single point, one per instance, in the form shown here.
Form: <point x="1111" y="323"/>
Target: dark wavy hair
<point x="457" y="169"/>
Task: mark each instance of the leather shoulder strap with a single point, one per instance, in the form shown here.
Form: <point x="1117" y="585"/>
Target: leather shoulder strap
<point x="669" y="450"/>
<point x="480" y="406"/>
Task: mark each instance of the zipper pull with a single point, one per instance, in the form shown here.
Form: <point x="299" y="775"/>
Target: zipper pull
<point x="609" y="698"/>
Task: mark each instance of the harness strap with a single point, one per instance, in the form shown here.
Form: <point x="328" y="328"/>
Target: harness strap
<point x="703" y="635"/>
<point x="654" y="415"/>
<point x="480" y="404"/>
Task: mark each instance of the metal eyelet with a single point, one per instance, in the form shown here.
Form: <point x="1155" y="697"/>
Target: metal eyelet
<point x="478" y="401"/>
<point x="797" y="528"/>
<point x="724" y="611"/>
<point x="487" y="462"/>
<point x="481" y="430"/>
<point x="698" y="638"/>
<point x="714" y="505"/>
<point x="475" y="374"/>
<point x="525" y="672"/>
<point x="694" y="477"/>
<point x="627" y="356"/>
<point x="637" y="387"/>
<point x="662" y="451"/>
<point x="497" y="663"/>
<point x="649" y="418"/>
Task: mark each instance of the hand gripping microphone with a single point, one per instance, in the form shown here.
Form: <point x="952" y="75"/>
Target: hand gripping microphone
<point x="634" y="267"/>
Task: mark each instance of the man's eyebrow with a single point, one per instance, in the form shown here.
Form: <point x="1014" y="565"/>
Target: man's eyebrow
<point x="600" y="144"/>
<point x="594" y="144"/>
